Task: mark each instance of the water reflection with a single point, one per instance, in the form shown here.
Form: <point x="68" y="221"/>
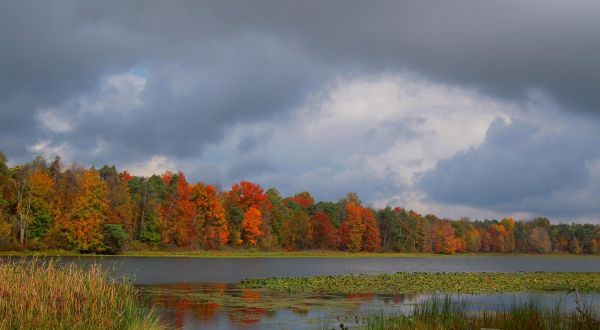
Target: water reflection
<point x="228" y="306"/>
<point x="225" y="306"/>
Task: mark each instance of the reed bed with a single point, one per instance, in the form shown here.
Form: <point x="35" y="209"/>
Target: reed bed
<point x="43" y="294"/>
<point x="442" y="313"/>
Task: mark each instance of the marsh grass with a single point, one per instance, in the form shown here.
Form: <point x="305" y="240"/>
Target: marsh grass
<point x="447" y="313"/>
<point x="42" y="294"/>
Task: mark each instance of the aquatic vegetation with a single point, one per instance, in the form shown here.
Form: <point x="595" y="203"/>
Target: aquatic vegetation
<point x="447" y="313"/>
<point x="472" y="283"/>
<point x="36" y="294"/>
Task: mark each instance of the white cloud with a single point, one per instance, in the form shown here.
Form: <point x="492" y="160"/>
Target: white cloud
<point x="49" y="150"/>
<point x="53" y="121"/>
<point x="157" y="164"/>
<point x="373" y="136"/>
<point x="398" y="124"/>
<point x="117" y="93"/>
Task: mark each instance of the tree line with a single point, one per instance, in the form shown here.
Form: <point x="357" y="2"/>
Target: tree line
<point x="47" y="205"/>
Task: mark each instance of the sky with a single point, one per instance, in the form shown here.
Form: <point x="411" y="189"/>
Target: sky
<point x="483" y="109"/>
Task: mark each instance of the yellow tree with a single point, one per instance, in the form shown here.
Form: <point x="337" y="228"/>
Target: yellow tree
<point x="119" y="197"/>
<point x="251" y="226"/>
<point x="88" y="214"/>
<point x="509" y="241"/>
<point x="472" y="238"/>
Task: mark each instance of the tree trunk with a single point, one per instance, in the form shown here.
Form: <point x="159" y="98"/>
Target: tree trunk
<point x="22" y="211"/>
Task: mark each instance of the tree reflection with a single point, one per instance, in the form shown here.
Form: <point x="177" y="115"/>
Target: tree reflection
<point x="223" y="305"/>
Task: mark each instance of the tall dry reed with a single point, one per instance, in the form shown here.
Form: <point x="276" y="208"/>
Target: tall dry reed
<point x="44" y="294"/>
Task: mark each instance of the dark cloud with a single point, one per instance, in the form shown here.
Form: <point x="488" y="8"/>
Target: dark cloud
<point x="248" y="143"/>
<point x="519" y="168"/>
<point x="62" y="52"/>
<point x="250" y="168"/>
<point x="503" y="48"/>
<point x="181" y="123"/>
<point x="251" y="62"/>
<point x="211" y="65"/>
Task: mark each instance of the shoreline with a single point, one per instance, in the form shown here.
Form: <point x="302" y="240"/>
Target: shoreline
<point x="281" y="254"/>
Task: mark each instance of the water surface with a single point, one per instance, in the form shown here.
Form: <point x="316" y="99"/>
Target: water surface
<point x="229" y="306"/>
<point x="167" y="270"/>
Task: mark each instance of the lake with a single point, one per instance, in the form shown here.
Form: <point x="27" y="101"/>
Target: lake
<point x="204" y="293"/>
<point x="171" y="270"/>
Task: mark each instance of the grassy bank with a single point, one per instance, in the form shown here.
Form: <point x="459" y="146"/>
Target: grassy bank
<point x="474" y="283"/>
<point x="446" y="313"/>
<point x="251" y="253"/>
<point x="44" y="295"/>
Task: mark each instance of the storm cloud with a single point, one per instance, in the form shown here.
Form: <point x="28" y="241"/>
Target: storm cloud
<point x="421" y="103"/>
<point x="524" y="166"/>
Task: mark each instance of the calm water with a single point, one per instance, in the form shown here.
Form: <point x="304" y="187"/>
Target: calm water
<point x="228" y="306"/>
<point x="172" y="270"/>
<point x="203" y="293"/>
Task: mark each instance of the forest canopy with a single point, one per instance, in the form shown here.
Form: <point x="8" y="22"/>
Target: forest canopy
<point x="47" y="205"/>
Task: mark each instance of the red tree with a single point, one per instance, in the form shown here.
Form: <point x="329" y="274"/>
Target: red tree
<point x="324" y="233"/>
<point x="304" y="199"/>
<point x="178" y="212"/>
<point x="247" y="195"/>
<point x="356" y="227"/>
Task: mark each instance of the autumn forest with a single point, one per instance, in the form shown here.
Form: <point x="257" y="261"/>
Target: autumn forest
<point x="48" y="205"/>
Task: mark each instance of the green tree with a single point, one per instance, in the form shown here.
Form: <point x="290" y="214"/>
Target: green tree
<point x="333" y="210"/>
<point x="114" y="238"/>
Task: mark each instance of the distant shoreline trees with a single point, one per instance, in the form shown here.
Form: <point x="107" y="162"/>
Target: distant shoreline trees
<point x="48" y="205"/>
